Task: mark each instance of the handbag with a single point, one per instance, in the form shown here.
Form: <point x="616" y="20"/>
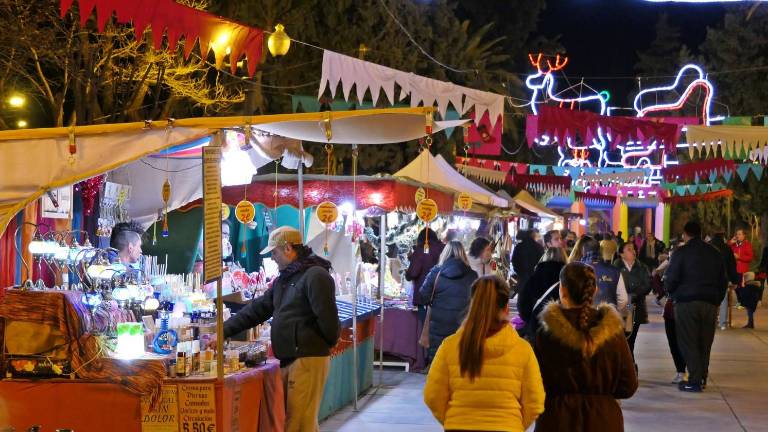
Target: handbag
<point x="424" y="336"/>
<point x="629" y="320"/>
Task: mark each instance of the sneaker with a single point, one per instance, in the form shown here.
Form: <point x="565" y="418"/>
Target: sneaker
<point x="686" y="386"/>
<point x="749" y="326"/>
<point x="679" y="377"/>
<point x="722" y="327"/>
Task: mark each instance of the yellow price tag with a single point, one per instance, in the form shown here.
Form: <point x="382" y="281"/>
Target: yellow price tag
<point x="245" y="212"/>
<point x="464" y="201"/>
<point x="327" y="212"/>
<point x="420" y="195"/>
<point x="426" y="210"/>
<point x="225" y="212"/>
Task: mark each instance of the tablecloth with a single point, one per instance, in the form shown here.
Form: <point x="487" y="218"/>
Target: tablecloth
<point x="401" y="336"/>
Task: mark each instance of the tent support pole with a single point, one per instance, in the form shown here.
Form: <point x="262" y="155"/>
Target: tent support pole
<point x="301" y="195"/>
<point x="382" y="273"/>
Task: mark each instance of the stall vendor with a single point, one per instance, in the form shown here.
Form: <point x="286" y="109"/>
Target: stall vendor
<point x="126" y="240"/>
<point x="305" y="324"/>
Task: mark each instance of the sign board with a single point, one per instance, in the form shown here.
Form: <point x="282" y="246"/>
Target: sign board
<point x="212" y="266"/>
<point x="245" y="212"/>
<point x="464" y="201"/>
<point x="165" y="416"/>
<point x="327" y="212"/>
<point x="420" y="195"/>
<point x="197" y="407"/>
<point x="426" y="210"/>
<point x="57" y="203"/>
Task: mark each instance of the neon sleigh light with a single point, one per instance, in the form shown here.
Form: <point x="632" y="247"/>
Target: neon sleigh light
<point x="701" y="81"/>
<point x="544" y="82"/>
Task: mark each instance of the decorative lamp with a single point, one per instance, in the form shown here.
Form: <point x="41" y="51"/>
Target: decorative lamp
<point x="279" y="42"/>
<point x="151" y="304"/>
<point x="37" y="246"/>
<point x="120" y="294"/>
<point x="62" y="253"/>
<point x="91" y="299"/>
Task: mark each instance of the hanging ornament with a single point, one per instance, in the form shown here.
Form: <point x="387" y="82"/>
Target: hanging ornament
<point x="245" y="212"/>
<point x="166" y="198"/>
<point x="464" y="201"/>
<point x="327" y="213"/>
<point x="225" y="212"/>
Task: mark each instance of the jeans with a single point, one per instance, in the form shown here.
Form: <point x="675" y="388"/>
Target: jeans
<point x="695" y="328"/>
<point x="723" y="315"/>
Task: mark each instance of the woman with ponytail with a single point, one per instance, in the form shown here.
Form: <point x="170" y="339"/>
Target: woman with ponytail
<point x="485" y="377"/>
<point x="585" y="359"/>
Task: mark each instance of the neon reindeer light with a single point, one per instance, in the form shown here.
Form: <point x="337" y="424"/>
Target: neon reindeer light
<point x="544" y="82"/>
<point x="701" y="81"/>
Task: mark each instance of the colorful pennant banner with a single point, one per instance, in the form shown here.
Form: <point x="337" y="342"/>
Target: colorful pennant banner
<point x="704" y="168"/>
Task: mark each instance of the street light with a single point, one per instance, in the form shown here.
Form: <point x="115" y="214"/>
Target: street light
<point x="17" y="101"/>
<point x="21" y="124"/>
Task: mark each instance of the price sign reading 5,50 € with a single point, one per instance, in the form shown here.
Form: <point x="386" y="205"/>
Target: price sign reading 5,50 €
<point x="426" y="210"/>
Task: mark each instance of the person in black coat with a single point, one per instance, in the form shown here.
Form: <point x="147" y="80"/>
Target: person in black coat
<point x="421" y="262"/>
<point x="546" y="274"/>
<point x="446" y="290"/>
<point x="650" y="250"/>
<point x="526" y="255"/>
<point x="697" y="281"/>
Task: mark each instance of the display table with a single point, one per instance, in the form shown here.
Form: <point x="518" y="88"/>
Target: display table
<point x="401" y="336"/>
<point x="250" y="400"/>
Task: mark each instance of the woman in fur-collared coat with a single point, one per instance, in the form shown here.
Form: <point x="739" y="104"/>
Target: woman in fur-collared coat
<point x="584" y="357"/>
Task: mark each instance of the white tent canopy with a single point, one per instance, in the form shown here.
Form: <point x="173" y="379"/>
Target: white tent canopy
<point x="429" y="169"/>
<point x="38" y="160"/>
<point x="528" y="202"/>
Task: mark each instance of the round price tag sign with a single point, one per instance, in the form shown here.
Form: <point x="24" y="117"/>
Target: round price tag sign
<point x="224" y="211"/>
<point x="420" y="195"/>
<point x="327" y="212"/>
<point x="464" y="201"/>
<point x="426" y="210"/>
<point x="245" y="212"/>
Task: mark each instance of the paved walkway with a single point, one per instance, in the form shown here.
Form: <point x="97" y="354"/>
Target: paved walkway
<point x="736" y="398"/>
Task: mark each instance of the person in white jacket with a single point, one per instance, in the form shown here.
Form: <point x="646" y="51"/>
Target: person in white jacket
<point x="480" y="254"/>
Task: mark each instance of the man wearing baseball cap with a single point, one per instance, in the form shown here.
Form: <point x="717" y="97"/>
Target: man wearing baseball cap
<point x="305" y="324"/>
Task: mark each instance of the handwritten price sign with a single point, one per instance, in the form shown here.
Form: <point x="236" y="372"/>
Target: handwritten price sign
<point x="327" y="212"/>
<point x="245" y="212"/>
<point x="420" y="195"/>
<point x="426" y="210"/>
<point x="464" y="201"/>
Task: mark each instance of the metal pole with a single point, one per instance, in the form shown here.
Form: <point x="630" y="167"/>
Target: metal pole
<point x="382" y="273"/>
<point x="219" y="331"/>
<point x="301" y="193"/>
<point x="355" y="384"/>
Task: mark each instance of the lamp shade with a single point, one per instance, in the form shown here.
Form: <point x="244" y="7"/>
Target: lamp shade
<point x="279" y="42"/>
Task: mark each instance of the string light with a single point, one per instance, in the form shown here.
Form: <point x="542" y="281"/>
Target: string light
<point x="701" y="81"/>
<point x="547" y="84"/>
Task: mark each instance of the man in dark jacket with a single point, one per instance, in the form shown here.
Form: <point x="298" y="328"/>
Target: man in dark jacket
<point x="650" y="250"/>
<point x="526" y="255"/>
<point x="718" y="241"/>
<point x="305" y="324"/>
<point x="697" y="281"/>
<point x="637" y="280"/>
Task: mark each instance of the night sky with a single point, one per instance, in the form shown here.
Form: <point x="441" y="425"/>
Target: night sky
<point x="602" y="37"/>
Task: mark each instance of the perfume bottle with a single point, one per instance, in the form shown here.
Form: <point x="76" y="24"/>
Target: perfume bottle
<point x="165" y="339"/>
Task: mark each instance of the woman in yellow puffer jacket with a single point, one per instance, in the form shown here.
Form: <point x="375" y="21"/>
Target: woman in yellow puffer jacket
<point x="485" y="377"/>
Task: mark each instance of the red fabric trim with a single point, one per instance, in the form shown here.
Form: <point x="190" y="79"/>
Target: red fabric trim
<point x="523" y="180"/>
<point x="703" y="168"/>
<point x="520" y="168"/>
<point x="387" y="194"/>
<point x="700" y="197"/>
<point x="484" y="139"/>
<point x="561" y="123"/>
<point x="177" y="21"/>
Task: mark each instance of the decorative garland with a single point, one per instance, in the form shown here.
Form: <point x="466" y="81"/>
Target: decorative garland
<point x="701" y="197"/>
<point x="600" y="199"/>
<point x="176" y="21"/>
<point x="555" y="185"/>
<point x="700" y="169"/>
<point x="520" y="168"/>
<point x="564" y="124"/>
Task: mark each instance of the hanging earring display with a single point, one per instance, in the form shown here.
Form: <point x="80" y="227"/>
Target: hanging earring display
<point x="166" y="198"/>
<point x="327" y="212"/>
<point x="426" y="210"/>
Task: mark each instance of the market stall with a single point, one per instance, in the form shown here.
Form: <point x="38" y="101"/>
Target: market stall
<point x="120" y="300"/>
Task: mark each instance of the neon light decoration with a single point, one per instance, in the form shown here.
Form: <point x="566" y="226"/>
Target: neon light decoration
<point x="544" y="82"/>
<point x="701" y="81"/>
